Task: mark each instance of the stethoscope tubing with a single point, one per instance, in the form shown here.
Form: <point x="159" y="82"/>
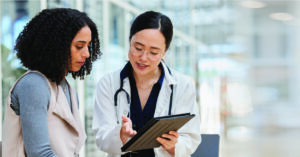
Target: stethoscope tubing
<point x="121" y="89"/>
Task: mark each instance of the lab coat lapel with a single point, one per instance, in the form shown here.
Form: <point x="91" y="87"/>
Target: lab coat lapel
<point x="126" y="85"/>
<point x="163" y="101"/>
<point x="123" y="100"/>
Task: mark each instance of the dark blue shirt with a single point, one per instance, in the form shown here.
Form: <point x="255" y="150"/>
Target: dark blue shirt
<point x="138" y="116"/>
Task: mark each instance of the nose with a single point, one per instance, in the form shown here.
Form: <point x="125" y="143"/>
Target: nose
<point x="144" y="55"/>
<point x="86" y="53"/>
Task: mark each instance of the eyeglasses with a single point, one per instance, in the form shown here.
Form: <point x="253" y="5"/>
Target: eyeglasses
<point x="152" y="55"/>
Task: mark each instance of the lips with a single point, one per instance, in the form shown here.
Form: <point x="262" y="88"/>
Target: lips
<point x="81" y="63"/>
<point x="141" y="66"/>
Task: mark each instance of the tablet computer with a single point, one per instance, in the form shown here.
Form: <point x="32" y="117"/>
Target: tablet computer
<point x="146" y="137"/>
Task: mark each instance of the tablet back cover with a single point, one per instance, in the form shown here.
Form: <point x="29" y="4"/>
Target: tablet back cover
<point x="146" y="137"/>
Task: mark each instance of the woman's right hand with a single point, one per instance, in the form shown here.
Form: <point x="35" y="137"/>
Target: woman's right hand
<point x="126" y="131"/>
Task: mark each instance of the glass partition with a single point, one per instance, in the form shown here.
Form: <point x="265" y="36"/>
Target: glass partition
<point x="14" y="16"/>
<point x="242" y="54"/>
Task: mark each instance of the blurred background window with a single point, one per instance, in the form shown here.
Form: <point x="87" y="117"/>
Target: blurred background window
<point x="242" y="54"/>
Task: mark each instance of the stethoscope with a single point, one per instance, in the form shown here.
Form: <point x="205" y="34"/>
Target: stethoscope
<point x="121" y="89"/>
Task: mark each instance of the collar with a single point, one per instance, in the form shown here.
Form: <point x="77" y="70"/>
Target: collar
<point x="162" y="76"/>
<point x="169" y="74"/>
<point x="126" y="71"/>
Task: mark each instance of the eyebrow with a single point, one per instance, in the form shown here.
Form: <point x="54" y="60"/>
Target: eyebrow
<point x="150" y="47"/>
<point x="81" y="41"/>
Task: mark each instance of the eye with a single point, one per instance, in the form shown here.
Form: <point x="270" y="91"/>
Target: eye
<point x="137" y="48"/>
<point x="79" y="47"/>
<point x="154" y="53"/>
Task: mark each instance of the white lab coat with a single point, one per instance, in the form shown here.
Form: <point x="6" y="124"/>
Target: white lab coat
<point x="107" y="129"/>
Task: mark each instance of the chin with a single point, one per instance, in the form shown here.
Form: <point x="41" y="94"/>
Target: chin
<point x="75" y="69"/>
<point x="142" y="72"/>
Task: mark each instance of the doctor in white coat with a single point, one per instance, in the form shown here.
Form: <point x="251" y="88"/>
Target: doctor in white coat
<point x="145" y="88"/>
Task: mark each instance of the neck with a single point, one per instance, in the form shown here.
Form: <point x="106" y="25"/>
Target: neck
<point x="144" y="81"/>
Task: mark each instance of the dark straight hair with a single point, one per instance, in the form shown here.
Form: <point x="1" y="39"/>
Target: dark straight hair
<point x="153" y="20"/>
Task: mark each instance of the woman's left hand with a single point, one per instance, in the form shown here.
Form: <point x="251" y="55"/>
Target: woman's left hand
<point x="168" y="141"/>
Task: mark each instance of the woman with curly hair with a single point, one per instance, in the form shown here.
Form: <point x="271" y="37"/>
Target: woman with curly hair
<point x="42" y="116"/>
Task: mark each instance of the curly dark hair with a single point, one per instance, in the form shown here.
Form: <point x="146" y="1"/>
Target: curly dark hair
<point x="45" y="43"/>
